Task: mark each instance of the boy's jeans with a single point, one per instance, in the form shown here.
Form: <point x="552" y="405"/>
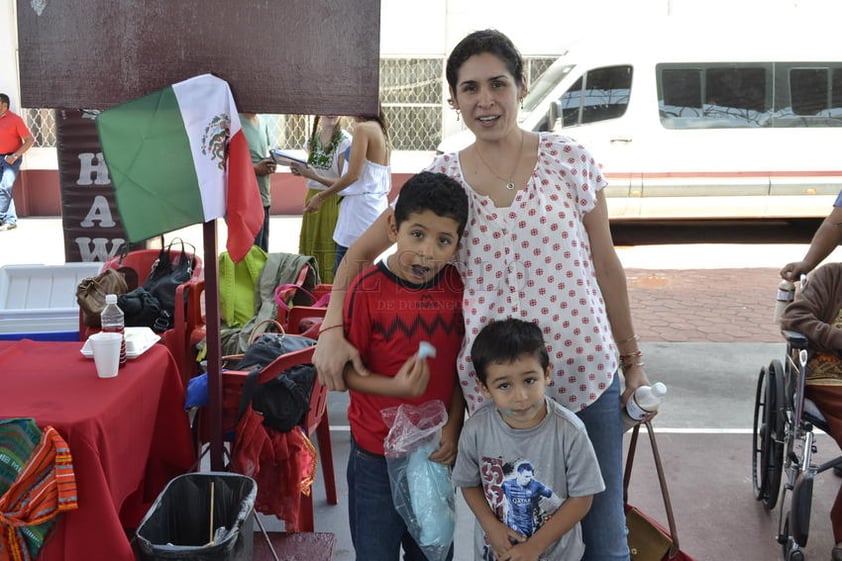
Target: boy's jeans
<point x="377" y="530"/>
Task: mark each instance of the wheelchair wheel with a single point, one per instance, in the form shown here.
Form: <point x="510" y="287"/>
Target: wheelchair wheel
<point x="768" y="435"/>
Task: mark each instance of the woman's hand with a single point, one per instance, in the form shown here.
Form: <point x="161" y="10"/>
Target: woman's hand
<point x="314" y="204"/>
<point x="635" y="377"/>
<point x="332" y="353"/>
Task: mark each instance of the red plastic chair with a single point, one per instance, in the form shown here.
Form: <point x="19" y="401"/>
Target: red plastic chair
<point x="186" y="319"/>
<point x="316" y="421"/>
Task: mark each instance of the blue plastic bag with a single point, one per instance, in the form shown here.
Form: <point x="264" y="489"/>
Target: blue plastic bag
<point x="421" y="489"/>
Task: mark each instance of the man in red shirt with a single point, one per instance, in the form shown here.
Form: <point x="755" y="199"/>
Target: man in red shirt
<point x="15" y="140"/>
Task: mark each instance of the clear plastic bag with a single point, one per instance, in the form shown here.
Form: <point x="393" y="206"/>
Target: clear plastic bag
<point x="421" y="489"/>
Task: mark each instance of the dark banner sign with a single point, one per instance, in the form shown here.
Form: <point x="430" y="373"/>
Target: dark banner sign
<point x="92" y="229"/>
<point x="295" y="56"/>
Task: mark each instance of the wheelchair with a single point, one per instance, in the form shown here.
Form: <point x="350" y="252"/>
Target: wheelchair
<point x="784" y="445"/>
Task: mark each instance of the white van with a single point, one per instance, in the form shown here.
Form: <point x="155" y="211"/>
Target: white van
<point x="702" y="121"/>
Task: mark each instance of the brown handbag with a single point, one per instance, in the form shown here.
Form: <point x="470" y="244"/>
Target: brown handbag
<point x="648" y="540"/>
<point x="90" y="294"/>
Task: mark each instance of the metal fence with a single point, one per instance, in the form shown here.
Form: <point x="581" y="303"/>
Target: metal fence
<point x="413" y="94"/>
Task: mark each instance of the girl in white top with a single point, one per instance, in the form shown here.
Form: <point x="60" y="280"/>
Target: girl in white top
<point x="364" y="186"/>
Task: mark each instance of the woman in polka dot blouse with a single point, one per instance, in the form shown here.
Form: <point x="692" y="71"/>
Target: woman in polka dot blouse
<point x="537" y="247"/>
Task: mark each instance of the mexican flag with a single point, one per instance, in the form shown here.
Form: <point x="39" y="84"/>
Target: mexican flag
<point x="178" y="157"/>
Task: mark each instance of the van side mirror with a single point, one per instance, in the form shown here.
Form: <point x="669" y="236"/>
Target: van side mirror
<point x="554" y="116"/>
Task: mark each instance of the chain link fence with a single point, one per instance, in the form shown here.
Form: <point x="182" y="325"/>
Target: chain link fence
<point x="413" y="94"/>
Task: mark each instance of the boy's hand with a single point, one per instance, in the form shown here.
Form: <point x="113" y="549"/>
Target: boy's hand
<point x="448" y="445"/>
<point x="413" y="377"/>
<point x="501" y="538"/>
<point x="522" y="552"/>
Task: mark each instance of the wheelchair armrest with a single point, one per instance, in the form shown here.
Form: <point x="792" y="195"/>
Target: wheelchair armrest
<point x="795" y="339"/>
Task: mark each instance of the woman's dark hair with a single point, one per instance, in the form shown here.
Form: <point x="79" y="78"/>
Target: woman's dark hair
<point x="436" y="192"/>
<point x="485" y="41"/>
<point x="503" y="341"/>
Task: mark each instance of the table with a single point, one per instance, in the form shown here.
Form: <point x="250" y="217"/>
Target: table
<point x="128" y="436"/>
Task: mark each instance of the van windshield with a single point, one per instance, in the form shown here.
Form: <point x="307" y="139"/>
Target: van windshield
<point x="544" y="85"/>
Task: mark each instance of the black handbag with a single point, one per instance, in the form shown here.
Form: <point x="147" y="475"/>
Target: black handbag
<point x="142" y="309"/>
<point x="168" y="272"/>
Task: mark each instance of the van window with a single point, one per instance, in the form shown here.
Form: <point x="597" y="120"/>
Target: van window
<point x="750" y="95"/>
<point x="598" y="95"/>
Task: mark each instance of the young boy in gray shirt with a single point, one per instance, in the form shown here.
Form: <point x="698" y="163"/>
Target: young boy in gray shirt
<point x="525" y="464"/>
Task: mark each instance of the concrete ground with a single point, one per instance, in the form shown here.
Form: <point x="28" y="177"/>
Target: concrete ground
<point x="703" y="314"/>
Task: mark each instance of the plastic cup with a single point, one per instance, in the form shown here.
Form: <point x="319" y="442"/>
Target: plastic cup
<point x="106" y="350"/>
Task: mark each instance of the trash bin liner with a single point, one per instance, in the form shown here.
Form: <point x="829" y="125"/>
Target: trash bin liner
<point x="178" y="525"/>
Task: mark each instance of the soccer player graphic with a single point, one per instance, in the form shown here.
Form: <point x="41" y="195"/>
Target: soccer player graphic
<point x="527" y="501"/>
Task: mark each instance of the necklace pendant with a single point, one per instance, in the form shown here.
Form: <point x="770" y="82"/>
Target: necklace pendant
<point x="510" y="185"/>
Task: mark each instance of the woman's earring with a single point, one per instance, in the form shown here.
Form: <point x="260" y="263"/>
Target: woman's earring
<point x="521" y="103"/>
<point x="458" y="114"/>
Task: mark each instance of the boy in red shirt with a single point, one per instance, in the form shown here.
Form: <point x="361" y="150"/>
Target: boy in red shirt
<point x="412" y="296"/>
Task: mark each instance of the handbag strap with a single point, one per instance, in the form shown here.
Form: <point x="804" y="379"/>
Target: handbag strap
<point x="662" y="481"/>
<point x="261" y="327"/>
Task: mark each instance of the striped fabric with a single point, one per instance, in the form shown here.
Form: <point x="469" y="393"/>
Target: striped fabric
<point x="37" y="483"/>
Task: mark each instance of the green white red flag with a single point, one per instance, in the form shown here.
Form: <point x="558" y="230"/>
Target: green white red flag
<point x="177" y="157"/>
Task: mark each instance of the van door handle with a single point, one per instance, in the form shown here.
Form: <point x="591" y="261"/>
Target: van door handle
<point x="621" y="140"/>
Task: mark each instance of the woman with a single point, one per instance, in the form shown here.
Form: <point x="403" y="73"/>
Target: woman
<point x="326" y="158"/>
<point x="537" y="247"/>
<point x="365" y="184"/>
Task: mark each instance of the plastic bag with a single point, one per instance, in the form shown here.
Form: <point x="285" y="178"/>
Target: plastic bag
<point x="421" y="489"/>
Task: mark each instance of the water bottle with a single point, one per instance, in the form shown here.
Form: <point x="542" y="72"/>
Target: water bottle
<point x="786" y="294"/>
<point x="113" y="319"/>
<point x="644" y="400"/>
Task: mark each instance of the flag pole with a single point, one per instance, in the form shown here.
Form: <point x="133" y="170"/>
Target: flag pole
<point x="214" y="357"/>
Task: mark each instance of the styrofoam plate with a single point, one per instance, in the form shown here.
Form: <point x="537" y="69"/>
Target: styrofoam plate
<point x="138" y="341"/>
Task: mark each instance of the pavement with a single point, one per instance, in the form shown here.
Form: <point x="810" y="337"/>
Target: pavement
<point x="703" y="313"/>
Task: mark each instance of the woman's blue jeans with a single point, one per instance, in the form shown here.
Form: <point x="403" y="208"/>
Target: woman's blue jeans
<point x="377" y="530"/>
<point x="604" y="527"/>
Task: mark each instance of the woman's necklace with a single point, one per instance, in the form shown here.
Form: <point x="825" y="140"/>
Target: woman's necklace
<point x="510" y="182"/>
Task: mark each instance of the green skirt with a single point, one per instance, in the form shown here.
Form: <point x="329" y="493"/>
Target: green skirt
<point x="317" y="234"/>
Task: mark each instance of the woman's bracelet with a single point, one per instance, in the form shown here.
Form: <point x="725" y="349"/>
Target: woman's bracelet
<point x="329" y="327"/>
<point x="625" y="357"/>
<point x="625" y="365"/>
<point x="627" y="360"/>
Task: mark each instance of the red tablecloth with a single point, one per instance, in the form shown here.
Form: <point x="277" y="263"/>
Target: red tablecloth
<point x="128" y="435"/>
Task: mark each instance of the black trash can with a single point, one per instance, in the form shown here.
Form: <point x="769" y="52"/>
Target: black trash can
<point x="178" y="526"/>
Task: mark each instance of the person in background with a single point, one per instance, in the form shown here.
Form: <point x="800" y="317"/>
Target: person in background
<point x="504" y="447"/>
<point x="411" y="297"/>
<point x="816" y="313"/>
<point x="365" y="184"/>
<point x="537" y="247"/>
<point x="827" y="237"/>
<point x="15" y="140"/>
<point x="259" y="141"/>
<point x="325" y="162"/>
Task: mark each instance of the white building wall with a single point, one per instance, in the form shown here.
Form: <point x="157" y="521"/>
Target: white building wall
<point x="8" y="52"/>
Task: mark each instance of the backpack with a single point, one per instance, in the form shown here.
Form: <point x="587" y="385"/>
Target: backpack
<point x="285" y="400"/>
